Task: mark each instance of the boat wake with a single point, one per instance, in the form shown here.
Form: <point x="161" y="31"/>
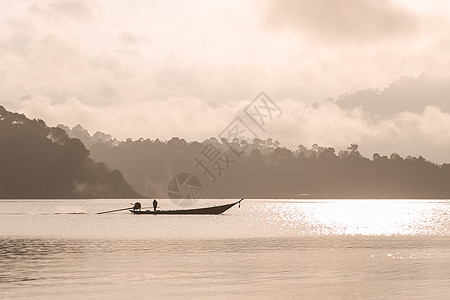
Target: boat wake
<point x="45" y="213"/>
<point x="70" y="213"/>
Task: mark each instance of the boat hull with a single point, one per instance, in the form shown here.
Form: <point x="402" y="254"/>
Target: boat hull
<point x="214" y="210"/>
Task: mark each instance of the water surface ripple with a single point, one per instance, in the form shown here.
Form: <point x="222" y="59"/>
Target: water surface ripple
<point x="315" y="249"/>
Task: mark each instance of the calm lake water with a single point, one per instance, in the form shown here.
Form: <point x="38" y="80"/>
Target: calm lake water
<point x="266" y="249"/>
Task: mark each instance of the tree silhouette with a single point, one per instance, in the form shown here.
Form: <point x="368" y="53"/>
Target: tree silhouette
<point x="41" y="162"/>
<point x="266" y="170"/>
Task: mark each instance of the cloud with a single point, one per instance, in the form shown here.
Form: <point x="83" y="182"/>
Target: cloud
<point x="342" y="21"/>
<point x="158" y="69"/>
<point x="108" y="52"/>
<point x="424" y="133"/>
<point x="128" y="38"/>
<point x="192" y="119"/>
<point x="406" y="94"/>
<point x="60" y="12"/>
<point x="16" y="42"/>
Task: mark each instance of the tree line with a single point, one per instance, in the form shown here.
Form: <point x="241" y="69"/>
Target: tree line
<point x="264" y="169"/>
<point x="37" y="161"/>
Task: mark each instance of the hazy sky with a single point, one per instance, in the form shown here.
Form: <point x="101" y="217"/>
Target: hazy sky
<point x="186" y="68"/>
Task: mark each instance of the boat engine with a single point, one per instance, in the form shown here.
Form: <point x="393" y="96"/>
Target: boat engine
<point x="137" y="206"/>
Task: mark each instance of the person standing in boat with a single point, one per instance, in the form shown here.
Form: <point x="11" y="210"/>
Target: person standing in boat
<point x="155" y="204"/>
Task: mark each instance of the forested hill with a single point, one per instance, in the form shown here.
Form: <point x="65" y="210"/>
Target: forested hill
<point x="41" y="162"/>
<point x="263" y="169"/>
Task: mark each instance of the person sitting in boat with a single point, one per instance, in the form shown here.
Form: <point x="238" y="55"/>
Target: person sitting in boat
<point x="155" y="204"/>
<point x="137" y="206"/>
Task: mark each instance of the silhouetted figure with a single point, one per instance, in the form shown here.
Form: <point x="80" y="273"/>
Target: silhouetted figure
<point x="137" y="206"/>
<point x="155" y="204"/>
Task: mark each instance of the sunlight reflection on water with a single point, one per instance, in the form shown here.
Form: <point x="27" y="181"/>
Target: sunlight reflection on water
<point x="256" y="218"/>
<point x="361" y="217"/>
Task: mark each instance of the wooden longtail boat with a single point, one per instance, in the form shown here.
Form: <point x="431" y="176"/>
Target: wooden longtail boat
<point x="213" y="210"/>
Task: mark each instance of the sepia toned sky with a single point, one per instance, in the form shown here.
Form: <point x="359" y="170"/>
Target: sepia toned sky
<point x="375" y="73"/>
